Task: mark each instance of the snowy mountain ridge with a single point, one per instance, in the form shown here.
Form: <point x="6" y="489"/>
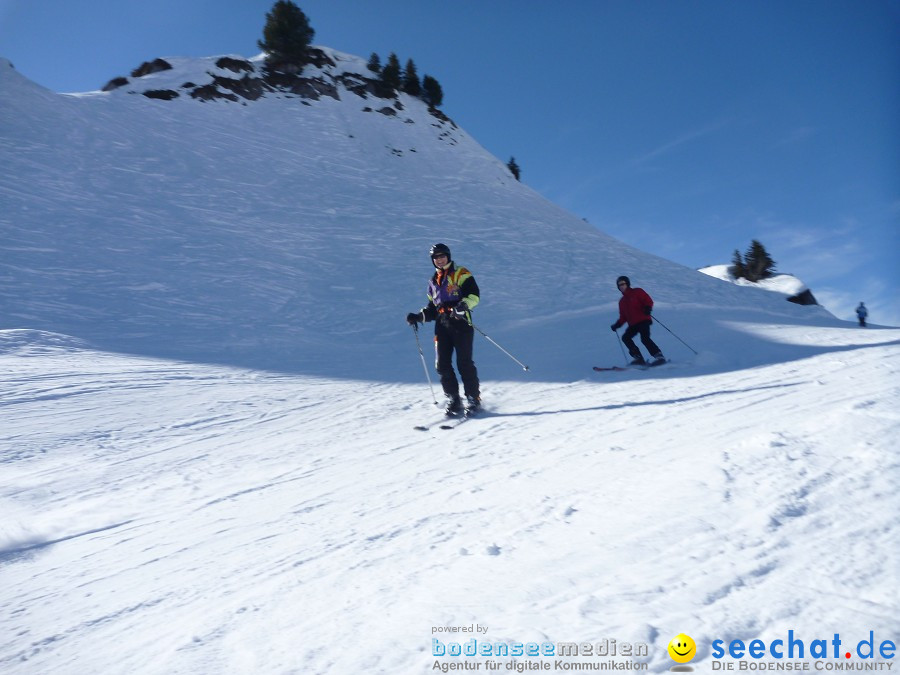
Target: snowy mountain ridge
<point x="233" y="78"/>
<point x="786" y="284"/>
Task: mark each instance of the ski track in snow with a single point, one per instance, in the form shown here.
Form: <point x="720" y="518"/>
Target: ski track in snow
<point x="227" y="520"/>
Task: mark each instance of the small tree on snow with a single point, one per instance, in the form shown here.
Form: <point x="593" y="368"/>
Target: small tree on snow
<point x="432" y="92"/>
<point x="411" y="84"/>
<point x="514" y="168"/>
<point x="737" y="269"/>
<point x="374" y="63"/>
<point x="390" y="75"/>
<point x="287" y="35"/>
<point x="758" y="262"/>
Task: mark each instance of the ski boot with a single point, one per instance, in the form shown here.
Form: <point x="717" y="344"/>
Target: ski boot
<point x="454" y="406"/>
<point x="473" y="405"/>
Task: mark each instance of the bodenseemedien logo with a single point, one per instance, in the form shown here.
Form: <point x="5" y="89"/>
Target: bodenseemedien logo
<point x="486" y="655"/>
<point x="682" y="649"/>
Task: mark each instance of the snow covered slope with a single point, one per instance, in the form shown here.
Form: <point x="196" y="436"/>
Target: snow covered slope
<point x="168" y="517"/>
<point x="168" y="506"/>
<point x="293" y="233"/>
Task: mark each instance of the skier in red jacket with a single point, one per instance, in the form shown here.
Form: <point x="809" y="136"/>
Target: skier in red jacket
<point x="634" y="308"/>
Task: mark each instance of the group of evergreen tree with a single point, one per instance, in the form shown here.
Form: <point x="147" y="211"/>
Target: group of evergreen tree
<point x="754" y="265"/>
<point x="392" y="78"/>
<point x="287" y="37"/>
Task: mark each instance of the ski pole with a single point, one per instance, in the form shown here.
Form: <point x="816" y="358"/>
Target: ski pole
<point x="625" y="358"/>
<point x="524" y="367"/>
<point x="424" y="367"/>
<point x="656" y="318"/>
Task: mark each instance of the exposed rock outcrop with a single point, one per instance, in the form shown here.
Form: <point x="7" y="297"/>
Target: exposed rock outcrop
<point x="150" y="67"/>
<point x="804" y="298"/>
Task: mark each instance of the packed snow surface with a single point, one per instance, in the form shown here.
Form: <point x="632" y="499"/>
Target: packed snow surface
<point x="170" y="517"/>
<point x="208" y="394"/>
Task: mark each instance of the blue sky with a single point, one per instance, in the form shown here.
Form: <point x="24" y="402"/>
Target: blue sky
<point x="684" y="128"/>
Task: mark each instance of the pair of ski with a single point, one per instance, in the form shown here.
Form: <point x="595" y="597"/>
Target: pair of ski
<point x="447" y="422"/>
<point x="638" y="366"/>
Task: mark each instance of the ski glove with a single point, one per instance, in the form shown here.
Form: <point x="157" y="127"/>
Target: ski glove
<point x="647" y="310"/>
<point x="414" y="317"/>
<point x="615" y="327"/>
<point x="459" y="312"/>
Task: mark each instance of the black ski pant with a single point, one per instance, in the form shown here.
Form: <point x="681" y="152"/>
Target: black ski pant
<point x="642" y="329"/>
<point x="449" y="335"/>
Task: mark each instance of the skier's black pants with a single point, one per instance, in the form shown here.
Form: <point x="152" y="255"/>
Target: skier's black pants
<point x="455" y="334"/>
<point x="643" y="329"/>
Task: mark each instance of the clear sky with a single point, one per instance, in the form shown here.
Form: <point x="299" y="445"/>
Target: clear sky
<point x="685" y="128"/>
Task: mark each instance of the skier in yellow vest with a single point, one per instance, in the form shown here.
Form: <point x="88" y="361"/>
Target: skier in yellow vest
<point x="452" y="295"/>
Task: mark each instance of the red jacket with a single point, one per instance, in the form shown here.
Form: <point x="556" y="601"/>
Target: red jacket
<point x="634" y="307"/>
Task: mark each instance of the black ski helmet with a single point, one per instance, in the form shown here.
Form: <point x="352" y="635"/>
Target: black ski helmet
<point x="439" y="249"/>
<point x="625" y="279"/>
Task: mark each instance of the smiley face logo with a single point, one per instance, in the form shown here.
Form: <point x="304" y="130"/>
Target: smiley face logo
<point x="682" y="648"/>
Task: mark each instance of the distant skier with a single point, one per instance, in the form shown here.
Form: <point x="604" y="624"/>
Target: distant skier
<point x="635" y="307"/>
<point x="452" y="295"/>
<point x="862" y="313"/>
